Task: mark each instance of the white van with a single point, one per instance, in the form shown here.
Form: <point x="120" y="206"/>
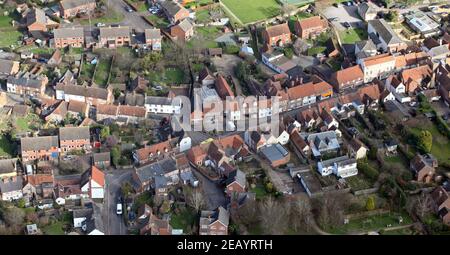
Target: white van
<point x="119" y="209"/>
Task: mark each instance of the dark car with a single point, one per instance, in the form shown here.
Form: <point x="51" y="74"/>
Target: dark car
<point x="347" y="25"/>
<point x="128" y="9"/>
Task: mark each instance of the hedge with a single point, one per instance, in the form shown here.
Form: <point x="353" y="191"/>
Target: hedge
<point x="367" y="170"/>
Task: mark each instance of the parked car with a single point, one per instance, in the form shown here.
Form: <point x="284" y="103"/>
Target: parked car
<point x="128" y="9"/>
<point x="119" y="209"/>
<point x="101" y="24"/>
<point x="347" y="25"/>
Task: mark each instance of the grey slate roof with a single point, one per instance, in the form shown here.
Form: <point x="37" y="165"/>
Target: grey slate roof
<point x="8" y="185"/>
<point x="153" y="33"/>
<point x="366" y="45"/>
<point x="108" y="32"/>
<point x="6" y="66"/>
<point x="73" y="32"/>
<point x="8" y="165"/>
<point x="171" y="8"/>
<point x="274" y="152"/>
<point x="385" y="31"/>
<point x="36" y="15"/>
<point x="24" y="82"/>
<point x="69" y="4"/>
<point x="102" y="156"/>
<point x="83" y="213"/>
<point x="237" y="176"/>
<point x="74" y="133"/>
<point x="39" y="143"/>
<point x="158" y="100"/>
<point x="83" y="91"/>
<point x="186" y="25"/>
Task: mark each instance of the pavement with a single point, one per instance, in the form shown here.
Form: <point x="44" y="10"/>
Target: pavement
<point x="114" y="224"/>
<point x="213" y="192"/>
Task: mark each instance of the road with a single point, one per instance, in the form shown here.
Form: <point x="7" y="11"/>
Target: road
<point x="114" y="224"/>
<point x="132" y="19"/>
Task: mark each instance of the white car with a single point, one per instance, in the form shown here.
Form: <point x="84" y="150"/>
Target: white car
<point x="119" y="209"/>
<point x="101" y="24"/>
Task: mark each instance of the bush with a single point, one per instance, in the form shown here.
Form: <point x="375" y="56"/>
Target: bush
<point x="368" y="171"/>
<point x="425" y="141"/>
<point x="231" y="49"/>
<point x="288" y="52"/>
<point x="269" y="187"/>
<point x="370" y="204"/>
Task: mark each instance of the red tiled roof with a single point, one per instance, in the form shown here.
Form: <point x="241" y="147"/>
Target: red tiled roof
<point x="134" y="111"/>
<point x="378" y="59"/>
<point x="350" y="74"/>
<point x="38" y="179"/>
<point x="223" y="88"/>
<point x="144" y="153"/>
<point x="312" y="22"/>
<point x="278" y="30"/>
<point x="98" y="176"/>
<point x="308" y="89"/>
<point x="107" y="109"/>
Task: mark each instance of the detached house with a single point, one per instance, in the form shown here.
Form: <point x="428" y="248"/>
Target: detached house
<point x="342" y="167"/>
<point x="153" y="38"/>
<point x="441" y="199"/>
<point x="357" y="149"/>
<point x="174" y="11"/>
<point x="310" y="27"/>
<point x="277" y="35"/>
<point x="38" y="21"/>
<point x="74" y="138"/>
<point x="183" y="31"/>
<point x="39" y="148"/>
<point x="214" y="222"/>
<point x="113" y="37"/>
<point x="71" y="8"/>
<point x="73" y="37"/>
<point x="424" y="167"/>
<point x="384" y="37"/>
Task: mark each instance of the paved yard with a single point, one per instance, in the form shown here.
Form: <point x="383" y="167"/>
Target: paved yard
<point x="343" y="14"/>
<point x="214" y="194"/>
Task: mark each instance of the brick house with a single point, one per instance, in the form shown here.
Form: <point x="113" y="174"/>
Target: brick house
<point x="441" y="200"/>
<point x="347" y="78"/>
<point x="71" y="8"/>
<point x="73" y="37"/>
<point x="214" y="222"/>
<point x="38" y="21"/>
<point x="39" y="148"/>
<point x="310" y="27"/>
<point x="424" y="167"/>
<point x="113" y="37"/>
<point x="277" y="35"/>
<point x="27" y="85"/>
<point x="183" y="31"/>
<point x="153" y="152"/>
<point x="174" y="11"/>
<point x="153" y="38"/>
<point x="197" y="155"/>
<point x="74" y="138"/>
<point x="236" y="183"/>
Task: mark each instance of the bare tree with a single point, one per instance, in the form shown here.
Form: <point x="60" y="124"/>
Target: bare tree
<point x="330" y="209"/>
<point x="423" y="205"/>
<point x="300" y="46"/>
<point x="246" y="215"/>
<point x="273" y="216"/>
<point x="195" y="198"/>
<point x="287" y="9"/>
<point x="301" y="216"/>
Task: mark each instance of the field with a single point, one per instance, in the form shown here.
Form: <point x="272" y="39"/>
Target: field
<point x="253" y="10"/>
<point x="351" y="36"/>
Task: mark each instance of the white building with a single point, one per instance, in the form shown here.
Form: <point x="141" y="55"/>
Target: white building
<point x="422" y="23"/>
<point x="342" y="167"/>
<point x="383" y="36"/>
<point x="162" y="105"/>
<point x="11" y="188"/>
<point x="95" y="185"/>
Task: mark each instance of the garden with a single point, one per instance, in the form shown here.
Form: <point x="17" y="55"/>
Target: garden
<point x="10" y="35"/>
<point x="350" y="36"/>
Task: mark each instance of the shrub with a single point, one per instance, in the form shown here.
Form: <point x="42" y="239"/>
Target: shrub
<point x="288" y="52"/>
<point x="231" y="49"/>
<point x="370" y="204"/>
<point x="367" y="170"/>
<point x="425" y="141"/>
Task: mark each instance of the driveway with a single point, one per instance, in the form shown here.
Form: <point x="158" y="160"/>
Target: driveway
<point x="213" y="192"/>
<point x="114" y="224"/>
<point x="132" y="19"/>
<point x="343" y="14"/>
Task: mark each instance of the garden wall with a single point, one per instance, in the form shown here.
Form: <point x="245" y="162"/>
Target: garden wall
<point x="365" y="191"/>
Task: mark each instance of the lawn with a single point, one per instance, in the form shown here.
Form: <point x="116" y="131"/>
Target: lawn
<point x="370" y="223"/>
<point x="351" y="36"/>
<point x="158" y="21"/>
<point x="25" y="124"/>
<point x="403" y="231"/>
<point x="183" y="220"/>
<point x="54" y="229"/>
<point x="358" y="182"/>
<point x="174" y="75"/>
<point x="205" y="37"/>
<point x="316" y="50"/>
<point x="260" y="191"/>
<point x="10" y="35"/>
<point x="87" y="71"/>
<point x="441" y="145"/>
<point x="102" y="72"/>
<point x="6" y="148"/>
<point x="202" y="16"/>
<point x="253" y="10"/>
<point x="111" y="16"/>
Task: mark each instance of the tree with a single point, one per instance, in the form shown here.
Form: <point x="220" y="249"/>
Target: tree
<point x="116" y="93"/>
<point x="21" y="203"/>
<point x="288" y="52"/>
<point x="392" y="16"/>
<point x="425" y="141"/>
<point x="273" y="216"/>
<point x="423" y="205"/>
<point x="115" y="155"/>
<point x="14" y="216"/>
<point x="195" y="198"/>
<point x="300" y="46"/>
<point x="301" y="216"/>
<point x="370" y="204"/>
<point x="126" y="189"/>
<point x="150" y="61"/>
<point x="104" y="132"/>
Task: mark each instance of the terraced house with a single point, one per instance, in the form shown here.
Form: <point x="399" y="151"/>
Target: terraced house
<point x="73" y="37"/>
<point x="113" y="37"/>
<point x="33" y="86"/>
<point x="89" y="95"/>
<point x="74" y="138"/>
<point x="71" y="8"/>
<point x="39" y="148"/>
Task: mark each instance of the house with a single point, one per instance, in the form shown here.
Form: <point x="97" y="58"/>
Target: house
<point x="347" y="78"/>
<point x="89" y="95"/>
<point x="182" y="31"/>
<point x="215" y="52"/>
<point x="157" y="176"/>
<point x="441" y="200"/>
<point x="95" y="184"/>
<point x="8" y="168"/>
<point x="223" y="88"/>
<point x="379" y="66"/>
<point x="78" y="109"/>
<point x="367" y="11"/>
<point x="58" y="114"/>
<point x="11" y="188"/>
<point x="197" y="155"/>
<point x="32" y="229"/>
<point x="443" y="84"/>
<point x="102" y="159"/>
<point x="80" y="216"/>
<point x="342" y="167"/>
<point x="384" y="37"/>
<point x="236" y="183"/>
<point x="38" y="21"/>
<point x="153" y="152"/>
<point x="391" y="146"/>
<point x="308" y="93"/>
<point x="130" y="114"/>
<point x="206" y="77"/>
<point x="113" y="37"/>
<point x="139" y="85"/>
<point x="71" y="8"/>
<point x="162" y="105"/>
<point x="365" y="48"/>
<point x="277" y="61"/>
<point x="174" y="11"/>
<point x="39" y="148"/>
<point x="156" y="226"/>
<point x="72" y="37"/>
<point x="357" y="148"/>
<point x="323" y="143"/>
<point x="275" y="154"/>
<point x="416" y="78"/>
<point x="55" y="59"/>
<point x="277" y="35"/>
<point x="27" y="85"/>
<point x="310" y="27"/>
<point x="153" y="39"/>
<point x="38" y="185"/>
<point x="422" y="23"/>
<point x="424" y="167"/>
<point x="328" y="121"/>
<point x="439" y="53"/>
<point x="74" y="138"/>
<point x="214" y="222"/>
<point x="301" y="148"/>
<point x="8" y="67"/>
